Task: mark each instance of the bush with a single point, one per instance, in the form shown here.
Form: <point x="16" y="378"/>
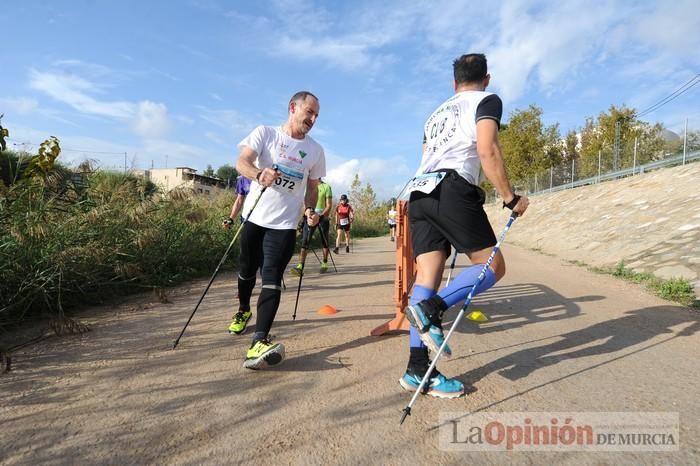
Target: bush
<point x="66" y="239"/>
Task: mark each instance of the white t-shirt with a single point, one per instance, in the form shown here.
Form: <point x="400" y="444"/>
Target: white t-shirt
<point x="281" y="204"/>
<point x="392" y="217"/>
<point x="450" y="133"/>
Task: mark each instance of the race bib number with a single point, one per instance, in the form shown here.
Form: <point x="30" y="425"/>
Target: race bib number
<point x="289" y="179"/>
<point x="425" y="183"/>
<point x="344" y="221"/>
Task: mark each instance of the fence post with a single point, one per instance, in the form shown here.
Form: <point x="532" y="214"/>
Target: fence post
<point x="634" y="158"/>
<point x="685" y="139"/>
<point x="599" y="151"/>
<point x="551" y="177"/>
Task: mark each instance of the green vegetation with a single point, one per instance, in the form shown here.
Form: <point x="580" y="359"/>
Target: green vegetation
<point x="68" y="238"/>
<point x="370" y="215"/>
<point x="537" y="155"/>
<point x="675" y="289"/>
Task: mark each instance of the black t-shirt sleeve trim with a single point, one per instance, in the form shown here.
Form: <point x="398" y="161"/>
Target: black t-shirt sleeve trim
<point x="425" y="139"/>
<point x="490" y="107"/>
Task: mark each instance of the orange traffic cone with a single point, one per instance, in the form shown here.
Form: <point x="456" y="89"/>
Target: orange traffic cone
<point x="327" y="310"/>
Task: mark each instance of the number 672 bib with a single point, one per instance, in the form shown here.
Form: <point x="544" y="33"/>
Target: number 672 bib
<point x="289" y="179"/>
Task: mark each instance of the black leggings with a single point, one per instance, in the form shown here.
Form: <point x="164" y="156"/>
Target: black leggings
<point x="273" y="249"/>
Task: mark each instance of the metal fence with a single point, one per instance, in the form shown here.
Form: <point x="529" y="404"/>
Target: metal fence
<point x="680" y="159"/>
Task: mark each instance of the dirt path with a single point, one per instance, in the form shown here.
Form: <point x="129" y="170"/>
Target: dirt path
<point x="559" y="339"/>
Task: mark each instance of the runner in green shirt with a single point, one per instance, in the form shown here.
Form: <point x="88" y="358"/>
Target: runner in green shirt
<point x="323" y="208"/>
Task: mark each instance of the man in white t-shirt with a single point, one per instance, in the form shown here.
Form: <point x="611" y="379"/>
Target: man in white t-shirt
<point x="268" y="236"/>
<point x="446" y="209"/>
<point x="391" y="219"/>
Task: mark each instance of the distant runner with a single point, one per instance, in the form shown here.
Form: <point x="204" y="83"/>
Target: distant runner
<point x="391" y="218"/>
<point x="344" y="217"/>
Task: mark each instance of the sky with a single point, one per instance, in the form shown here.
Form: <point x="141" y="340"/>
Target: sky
<point x="181" y="82"/>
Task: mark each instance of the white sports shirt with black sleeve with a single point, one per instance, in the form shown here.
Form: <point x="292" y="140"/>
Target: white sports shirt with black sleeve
<point x="450" y="133"/>
<point x="297" y="160"/>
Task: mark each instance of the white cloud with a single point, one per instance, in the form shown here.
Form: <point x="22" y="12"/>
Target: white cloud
<point x="148" y="119"/>
<point x="21" y="105"/>
<point x="74" y="91"/>
<point x="151" y="120"/>
<point x="383" y="174"/>
<point x="229" y="119"/>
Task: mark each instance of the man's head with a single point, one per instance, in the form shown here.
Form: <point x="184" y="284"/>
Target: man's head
<point x="303" y="111"/>
<point x="344" y="198"/>
<point x="470" y="71"/>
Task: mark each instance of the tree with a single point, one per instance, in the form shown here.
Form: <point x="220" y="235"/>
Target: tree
<point x="570" y="159"/>
<point x="228" y="174"/>
<point x="209" y="171"/>
<point x="530" y="148"/>
<point x="602" y="137"/>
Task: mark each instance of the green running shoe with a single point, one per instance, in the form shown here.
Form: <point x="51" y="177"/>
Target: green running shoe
<point x="264" y="353"/>
<point x="298" y="270"/>
<point x="240" y="320"/>
<point x="324" y="267"/>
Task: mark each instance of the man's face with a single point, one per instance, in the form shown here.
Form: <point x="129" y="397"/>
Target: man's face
<point x="304" y="113"/>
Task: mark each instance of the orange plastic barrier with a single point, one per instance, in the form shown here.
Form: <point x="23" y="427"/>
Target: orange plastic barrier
<point x="404" y="275"/>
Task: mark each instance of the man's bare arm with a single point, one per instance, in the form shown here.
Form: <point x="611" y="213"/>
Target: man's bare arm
<point x="246" y="167"/>
<point x="492" y="162"/>
<point x="311" y="196"/>
<point x="491" y="158"/>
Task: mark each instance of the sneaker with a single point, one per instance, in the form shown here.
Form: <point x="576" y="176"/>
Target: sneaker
<point x="264" y="353"/>
<point x="324" y="267"/>
<point x="391" y="239"/>
<point x="347" y="249"/>
<point x="335" y="250"/>
<point x="240" y="320"/>
<point x="298" y="270"/>
<point x="430" y="334"/>
<point x="438" y="385"/>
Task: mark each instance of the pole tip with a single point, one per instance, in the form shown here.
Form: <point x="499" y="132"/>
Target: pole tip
<point x="406" y="412"/>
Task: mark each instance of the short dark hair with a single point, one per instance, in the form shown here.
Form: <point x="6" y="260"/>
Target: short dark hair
<point x="301" y="96"/>
<point x="470" y="68"/>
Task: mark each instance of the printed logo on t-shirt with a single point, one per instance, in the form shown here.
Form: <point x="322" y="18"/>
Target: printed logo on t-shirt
<point x="441" y="127"/>
<point x="302" y="154"/>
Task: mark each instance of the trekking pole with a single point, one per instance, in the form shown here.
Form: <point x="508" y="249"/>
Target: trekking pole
<point x="284" y="285"/>
<point x="223" y="259"/>
<point x="452" y="267"/>
<point x="407" y="409"/>
<point x="301" y="275"/>
<point x="315" y="254"/>
<point x="328" y="246"/>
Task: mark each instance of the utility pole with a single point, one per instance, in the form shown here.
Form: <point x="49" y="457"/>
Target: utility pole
<point x="551" y="177"/>
<point x="599" y="154"/>
<point x="634" y="158"/>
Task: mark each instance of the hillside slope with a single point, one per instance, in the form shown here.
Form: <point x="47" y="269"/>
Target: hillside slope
<point x="649" y="221"/>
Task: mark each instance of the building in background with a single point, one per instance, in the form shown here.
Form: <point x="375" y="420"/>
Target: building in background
<point x="168" y="179"/>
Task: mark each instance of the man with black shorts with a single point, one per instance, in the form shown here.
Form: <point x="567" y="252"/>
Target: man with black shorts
<point x="268" y="235"/>
<point x="323" y="208"/>
<point x="446" y="209"/>
<point x="344" y="216"/>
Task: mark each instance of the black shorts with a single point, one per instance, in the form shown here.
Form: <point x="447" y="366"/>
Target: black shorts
<point x="453" y="214"/>
<point x="392" y="226"/>
<point x="338" y="226"/>
<point x="308" y="231"/>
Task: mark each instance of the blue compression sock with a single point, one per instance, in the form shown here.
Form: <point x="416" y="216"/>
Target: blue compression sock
<point x="462" y="284"/>
<point x="418" y="294"/>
